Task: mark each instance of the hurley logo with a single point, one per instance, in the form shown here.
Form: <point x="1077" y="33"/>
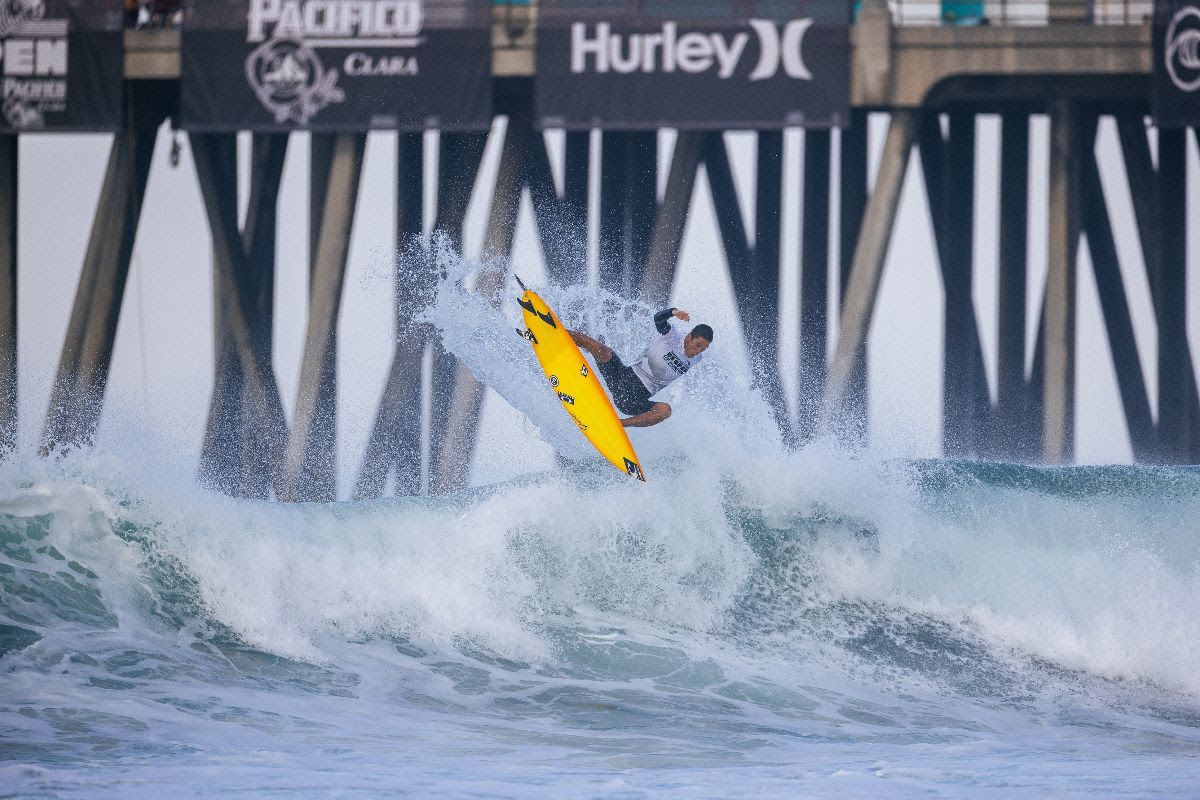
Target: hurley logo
<point x="691" y="52"/>
<point x="1182" y="52"/>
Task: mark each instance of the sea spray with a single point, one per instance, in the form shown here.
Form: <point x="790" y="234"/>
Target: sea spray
<point x="714" y="404"/>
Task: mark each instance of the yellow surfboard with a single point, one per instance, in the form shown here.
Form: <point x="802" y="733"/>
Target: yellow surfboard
<point x="578" y="388"/>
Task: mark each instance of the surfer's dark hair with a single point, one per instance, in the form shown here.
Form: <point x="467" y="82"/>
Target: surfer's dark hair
<point x="704" y="332"/>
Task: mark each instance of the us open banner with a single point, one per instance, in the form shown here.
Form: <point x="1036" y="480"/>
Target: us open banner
<point x="693" y="64"/>
<point x="62" y="64"/>
<point x="336" y="64"/>
<point x="1177" y="63"/>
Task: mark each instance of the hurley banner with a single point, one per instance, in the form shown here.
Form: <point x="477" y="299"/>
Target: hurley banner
<point x="62" y="62"/>
<point x="1177" y="63"/>
<point x="687" y="64"/>
<point x="336" y="65"/>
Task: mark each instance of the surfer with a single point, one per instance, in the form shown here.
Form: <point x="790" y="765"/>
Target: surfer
<point x="667" y="357"/>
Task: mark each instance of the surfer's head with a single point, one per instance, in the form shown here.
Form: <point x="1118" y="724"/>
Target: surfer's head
<point x="697" y="341"/>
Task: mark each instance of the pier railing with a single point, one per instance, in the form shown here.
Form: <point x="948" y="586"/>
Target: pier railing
<point x="1021" y="12"/>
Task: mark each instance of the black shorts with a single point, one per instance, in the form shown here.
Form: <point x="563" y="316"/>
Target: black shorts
<point x="629" y="393"/>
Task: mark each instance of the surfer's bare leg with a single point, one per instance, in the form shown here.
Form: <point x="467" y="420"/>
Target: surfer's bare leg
<point x="655" y="415"/>
<point x="601" y="351"/>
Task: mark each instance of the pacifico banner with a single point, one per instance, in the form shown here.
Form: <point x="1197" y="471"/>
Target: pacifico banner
<point x="333" y="65"/>
<point x="1177" y="63"/>
<point x="62" y="65"/>
<point x="712" y="64"/>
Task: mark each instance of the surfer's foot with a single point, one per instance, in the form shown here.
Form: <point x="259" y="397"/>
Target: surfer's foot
<point x="602" y="352"/>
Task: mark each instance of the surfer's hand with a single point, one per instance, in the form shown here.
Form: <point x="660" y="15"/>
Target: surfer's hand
<point x="680" y="314"/>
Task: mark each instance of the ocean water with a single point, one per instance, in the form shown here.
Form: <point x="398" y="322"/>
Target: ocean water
<point x="752" y="621"/>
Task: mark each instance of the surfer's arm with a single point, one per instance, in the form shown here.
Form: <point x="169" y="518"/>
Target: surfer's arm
<point x="662" y="322"/>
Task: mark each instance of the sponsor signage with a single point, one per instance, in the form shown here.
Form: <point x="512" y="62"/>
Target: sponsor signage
<point x="61" y="62"/>
<point x="663" y="65"/>
<point x="1177" y="63"/>
<point x="336" y="64"/>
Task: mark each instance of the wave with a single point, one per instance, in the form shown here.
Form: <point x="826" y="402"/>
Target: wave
<point x="968" y="576"/>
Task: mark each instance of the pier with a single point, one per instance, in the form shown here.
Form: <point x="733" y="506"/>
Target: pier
<point x="1076" y="63"/>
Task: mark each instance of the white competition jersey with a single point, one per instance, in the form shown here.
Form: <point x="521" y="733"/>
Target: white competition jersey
<point x="664" y="361"/>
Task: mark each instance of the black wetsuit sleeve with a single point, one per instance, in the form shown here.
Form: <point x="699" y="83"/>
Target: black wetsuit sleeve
<point x="662" y="320"/>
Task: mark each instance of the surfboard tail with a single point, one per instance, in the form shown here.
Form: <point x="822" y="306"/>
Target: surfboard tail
<point x="634" y="469"/>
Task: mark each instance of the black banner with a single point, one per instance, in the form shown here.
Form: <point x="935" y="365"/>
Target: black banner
<point x="688" y="64"/>
<point x="1177" y="63"/>
<point x="62" y="64"/>
<point x="331" y="65"/>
